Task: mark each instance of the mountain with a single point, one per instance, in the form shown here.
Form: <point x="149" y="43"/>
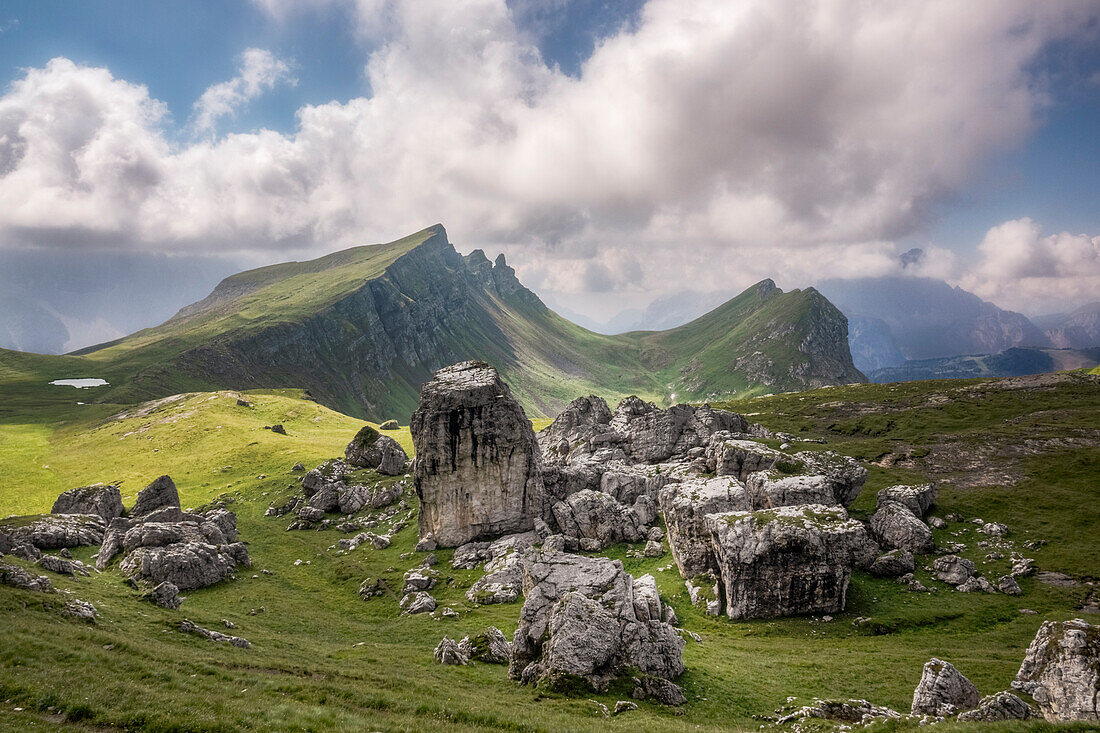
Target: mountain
<point x="361" y="329"/>
<point x="1077" y="330"/>
<point x="666" y="312"/>
<point x="1014" y="362"/>
<point x="925" y="319"/>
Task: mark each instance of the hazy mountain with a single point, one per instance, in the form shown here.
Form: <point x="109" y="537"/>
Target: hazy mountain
<point x="926" y="319"/>
<point x="60" y="301"/>
<point x="1077" y="330"/>
<point x="363" y="328"/>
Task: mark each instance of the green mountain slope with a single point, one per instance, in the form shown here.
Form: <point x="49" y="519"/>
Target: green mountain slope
<point x="363" y="328"/>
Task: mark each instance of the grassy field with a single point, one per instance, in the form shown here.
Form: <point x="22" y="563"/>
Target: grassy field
<point x="322" y="659"/>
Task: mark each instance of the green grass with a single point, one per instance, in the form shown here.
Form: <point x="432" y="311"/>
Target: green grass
<point x="322" y="659"/>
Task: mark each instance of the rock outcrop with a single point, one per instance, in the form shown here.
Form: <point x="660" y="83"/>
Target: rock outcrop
<point x="159" y="495"/>
<point x="370" y="449"/>
<point x="187" y="565"/>
<point x="918" y="499"/>
<point x="1061" y="671"/>
<point x="477" y="469"/>
<point x="685" y="506"/>
<point x="786" y="561"/>
<point x="943" y="690"/>
<point x="188" y="627"/>
<point x="583" y="622"/>
<point x="100" y="499"/>
<point x="17" y="577"/>
<point x="1000" y="706"/>
<point x="55" y="531"/>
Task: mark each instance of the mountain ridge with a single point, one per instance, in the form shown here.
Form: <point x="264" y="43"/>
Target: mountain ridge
<point x="361" y="329"/>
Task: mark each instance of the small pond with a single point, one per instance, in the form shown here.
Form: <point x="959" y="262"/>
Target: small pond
<point x="79" y="383"/>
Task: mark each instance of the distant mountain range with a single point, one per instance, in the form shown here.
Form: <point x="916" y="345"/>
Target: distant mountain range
<point x="1014" y="362"/>
<point x="361" y="329"/>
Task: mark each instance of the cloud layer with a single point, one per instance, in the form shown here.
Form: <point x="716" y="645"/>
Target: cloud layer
<point x="726" y="141"/>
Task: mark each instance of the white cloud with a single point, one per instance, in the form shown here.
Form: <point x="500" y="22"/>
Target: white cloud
<point x="724" y="142"/>
<point x="258" y="72"/>
<point x="1025" y="270"/>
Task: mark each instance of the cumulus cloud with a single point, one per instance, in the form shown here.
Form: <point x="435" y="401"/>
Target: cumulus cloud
<point x="726" y="141"/>
<point x="1023" y="269"/>
<point x="259" y="71"/>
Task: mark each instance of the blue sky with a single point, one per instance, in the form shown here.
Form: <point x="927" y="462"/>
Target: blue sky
<point x="601" y="145"/>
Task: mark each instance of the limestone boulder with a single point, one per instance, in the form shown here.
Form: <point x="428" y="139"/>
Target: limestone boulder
<point x="55" y="531"/>
<point x="597" y="516"/>
<point x="160" y="494"/>
<point x="654" y="435"/>
<point x="943" y="690"/>
<point x="785" y="561"/>
<point x="893" y="564"/>
<point x="685" y="507"/>
<point x="187" y="565"/>
<point x="1061" y="671"/>
<point x="1001" y="706"/>
<point x="582" y="622"/>
<point x="917" y="499"/>
<point x="478" y="467"/>
<point x="17" y="577"/>
<point x="952" y="569"/>
<point x="371" y="449"/>
<point x="895" y="527"/>
<point x="100" y="499"/>
<point x="579" y="430"/>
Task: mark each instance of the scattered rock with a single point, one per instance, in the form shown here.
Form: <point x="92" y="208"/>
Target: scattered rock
<point x="165" y="595"/>
<point x="187" y="565"/>
<point x="417" y="602"/>
<point x="449" y="652"/>
<point x="477" y="471"/>
<point x="490" y="646"/>
<point x="952" y="569"/>
<point x="61" y="566"/>
<point x="1008" y="585"/>
<point x="17" y="577"/>
<point x="976" y="584"/>
<point x="81" y="609"/>
<point x="993" y="529"/>
<point x="277" y="428"/>
<point x="1000" y="706"/>
<point x="893" y="564"/>
<point x="100" y="499"/>
<point x="943" y="690"/>
<point x="1061" y="671"/>
<point x="298" y="467"/>
<point x="653" y="548"/>
<point x="859" y="712"/>
<point x="370" y="449"/>
<point x="54" y="531"/>
<point x="624" y="706"/>
<point x="389" y="425"/>
<point x="189" y="628"/>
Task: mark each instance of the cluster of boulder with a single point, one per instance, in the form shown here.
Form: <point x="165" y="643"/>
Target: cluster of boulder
<point x="339" y="485"/>
<point x="1060" y="671"/>
<point x="160" y="544"/>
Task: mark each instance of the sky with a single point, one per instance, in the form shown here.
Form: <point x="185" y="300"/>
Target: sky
<point x="616" y="151"/>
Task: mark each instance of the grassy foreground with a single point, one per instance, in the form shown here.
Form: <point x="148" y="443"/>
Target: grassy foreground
<point x="322" y="659"/>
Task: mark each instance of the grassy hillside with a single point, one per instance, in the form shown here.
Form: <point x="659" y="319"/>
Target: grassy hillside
<point x="1024" y="452"/>
<point x="363" y="328"/>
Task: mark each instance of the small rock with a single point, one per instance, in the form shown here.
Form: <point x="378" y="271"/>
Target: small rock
<point x="165" y="595"/>
<point x="623" y="706"/>
<point x="389" y="425"/>
<point x="943" y="690"/>
<point x="653" y="549"/>
<point x="1008" y="585"/>
<point x="449" y="652"/>
<point x="81" y="609"/>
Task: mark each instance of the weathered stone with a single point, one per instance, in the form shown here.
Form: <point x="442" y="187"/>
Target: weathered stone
<point x="165" y="595"/>
<point x="502" y="582"/>
<point x="654" y="435"/>
<point x="918" y="499"/>
<point x="418" y="602"/>
<point x="943" y="690"/>
<point x="112" y="541"/>
<point x="770" y="489"/>
<point x="897" y="528"/>
<point x="17" y="577"/>
<point x="478" y="467"/>
<point x="1008" y="585"/>
<point x="952" y="569"/>
<point x="62" y="566"/>
<point x="625" y="706"/>
<point x="580" y="621"/>
<point x="100" y="499"/>
<point x="663" y="691"/>
<point x="448" y="651"/>
<point x="1061" y="671"/>
<point x="893" y="564"/>
<point x="419" y="579"/>
<point x="861" y="712"/>
<point x="843" y="473"/>
<point x="976" y="584"/>
<point x="785" y="561"/>
<point x="597" y="516"/>
<point x="187" y="565"/>
<point x="653" y="548"/>
<point x="389" y="425"/>
<point x="54" y="531"/>
<point x="189" y="628"/>
<point x="740" y="458"/>
<point x="572" y="431"/>
<point x="81" y="609"/>
<point x="1000" y="706"/>
<point x="490" y="646"/>
<point x="685" y="506"/>
<point x="160" y="494"/>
